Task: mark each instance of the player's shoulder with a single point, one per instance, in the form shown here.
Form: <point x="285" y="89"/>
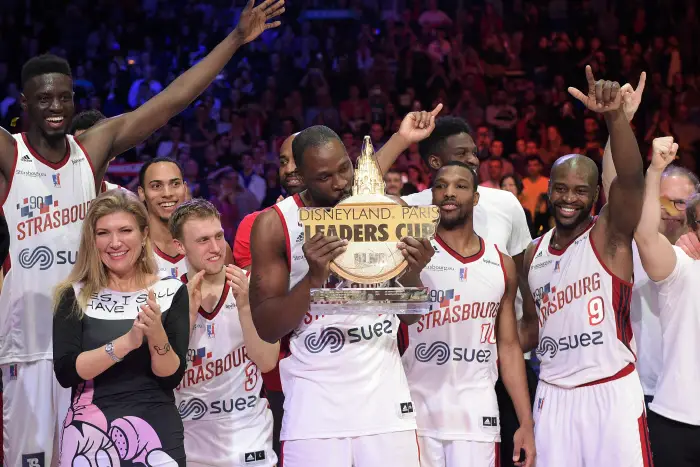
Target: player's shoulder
<point x="531" y="250"/>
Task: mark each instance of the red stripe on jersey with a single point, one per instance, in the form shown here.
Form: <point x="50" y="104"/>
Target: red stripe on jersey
<point x="644" y="440"/>
<point x="46" y="162"/>
<point x="402" y="338"/>
<point x="622" y="300"/>
<point x="281" y="459"/>
<point x="6" y="268"/>
<point x="286" y="235"/>
<point x="498" y="454"/>
<point x="165" y="256"/>
<point x="620" y="374"/>
<point x="418" y="446"/>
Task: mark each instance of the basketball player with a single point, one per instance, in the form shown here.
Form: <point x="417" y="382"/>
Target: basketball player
<point x="674" y="415"/>
<point x="47" y="180"/>
<point x="677" y="185"/>
<point x="589" y="407"/>
<point x="226" y="421"/>
<point x="162" y="189"/>
<point x="292" y="184"/>
<point x="451" y="359"/>
<point x="498" y="217"/>
<point x="346" y="398"/>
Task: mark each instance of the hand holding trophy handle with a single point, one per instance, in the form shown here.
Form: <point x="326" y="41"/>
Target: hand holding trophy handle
<point x="319" y="252"/>
<point x="417" y="251"/>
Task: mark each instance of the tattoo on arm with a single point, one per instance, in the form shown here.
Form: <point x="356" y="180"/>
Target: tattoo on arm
<point x="164" y="350"/>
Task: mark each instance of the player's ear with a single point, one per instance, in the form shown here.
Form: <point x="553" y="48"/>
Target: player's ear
<point x="142" y="195"/>
<point x="434" y="162"/>
<point x="475" y="200"/>
<point x="180" y="247"/>
<point x="597" y="193"/>
<point x="23" y="102"/>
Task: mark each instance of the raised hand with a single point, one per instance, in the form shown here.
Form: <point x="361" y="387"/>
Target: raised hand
<point x="319" y="252"/>
<point x="663" y="152"/>
<point x="238" y="281"/>
<point x="149" y="319"/>
<point x="194" y="290"/>
<point x="631" y="98"/>
<point x="602" y="96"/>
<point x="254" y="19"/>
<point x="416" y="126"/>
<point x="417" y="252"/>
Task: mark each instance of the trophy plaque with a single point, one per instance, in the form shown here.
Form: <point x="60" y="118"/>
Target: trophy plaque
<point x="368" y="273"/>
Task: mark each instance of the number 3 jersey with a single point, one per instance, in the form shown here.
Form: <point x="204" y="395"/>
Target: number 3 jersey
<point x="583" y="309"/>
<point x="220" y="382"/>
<point x="451" y="355"/>
<point x="343" y="376"/>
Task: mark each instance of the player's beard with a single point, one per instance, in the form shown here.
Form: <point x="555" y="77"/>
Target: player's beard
<point x="574" y="223"/>
<point x="453" y="222"/>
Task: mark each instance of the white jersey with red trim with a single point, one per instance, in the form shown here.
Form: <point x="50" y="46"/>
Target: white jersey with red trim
<point x="169" y="266"/>
<point x="44" y="208"/>
<point x="220" y="381"/>
<point x="451" y="357"/>
<point x="583" y="311"/>
<point x="343" y="376"/>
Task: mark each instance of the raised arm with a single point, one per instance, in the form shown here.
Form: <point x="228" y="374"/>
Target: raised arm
<point x="415" y="127"/>
<point x="655" y="251"/>
<point x="631" y="98"/>
<point x="276" y="309"/>
<point x="624" y="206"/>
<point x="528" y="327"/>
<point x="512" y="364"/>
<point x="114" y="136"/>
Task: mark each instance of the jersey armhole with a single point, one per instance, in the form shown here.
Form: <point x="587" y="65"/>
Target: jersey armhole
<point x="92" y="167"/>
<point x="288" y="244"/>
<point x="10" y="176"/>
<point x="503" y="267"/>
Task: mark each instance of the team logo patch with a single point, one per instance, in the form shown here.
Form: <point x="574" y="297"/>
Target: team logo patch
<point x="43" y="204"/>
<point x="14" y="371"/>
<point x="540" y="404"/>
<point x="556" y="266"/>
<point x="256" y="456"/>
<point x="200" y="355"/>
<point x="56" y="180"/>
<point x="463" y="274"/>
<point x="33" y="460"/>
<point x="210" y="331"/>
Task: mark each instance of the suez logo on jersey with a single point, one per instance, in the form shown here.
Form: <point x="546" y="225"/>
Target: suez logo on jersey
<point x="43" y="213"/>
<point x="334" y="339"/>
<point x="44" y="257"/>
<point x="550" y="347"/>
<point x="195" y="408"/>
<point x="202" y="367"/>
<point x="441" y="353"/>
<point x="549" y="300"/>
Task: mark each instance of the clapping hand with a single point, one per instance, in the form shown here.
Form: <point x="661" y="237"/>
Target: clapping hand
<point x="194" y="290"/>
<point x="238" y="281"/>
<point x="254" y="19"/>
<point x="149" y="319"/>
<point x="602" y="95"/>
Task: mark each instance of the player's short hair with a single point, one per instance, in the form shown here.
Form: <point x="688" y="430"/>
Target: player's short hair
<point x="444" y="128"/>
<point x="85" y="120"/>
<point x="43" y="65"/>
<point x="678" y="171"/>
<point x="157" y="160"/>
<point x="475" y="175"/>
<point x="197" y="208"/>
<point x="312" y="137"/>
<point x="690" y="215"/>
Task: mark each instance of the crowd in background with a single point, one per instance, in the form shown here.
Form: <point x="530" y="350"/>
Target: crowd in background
<point x="503" y="66"/>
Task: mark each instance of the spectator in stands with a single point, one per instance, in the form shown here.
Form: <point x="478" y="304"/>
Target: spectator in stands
<point x="535" y="184"/>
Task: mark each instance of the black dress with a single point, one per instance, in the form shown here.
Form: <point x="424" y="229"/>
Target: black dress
<point x="126" y="416"/>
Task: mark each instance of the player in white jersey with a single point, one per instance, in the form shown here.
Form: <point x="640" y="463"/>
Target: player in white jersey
<point x="52" y="177"/>
<point x="452" y="354"/>
<point x="674" y="414"/>
<point x="162" y="188"/>
<point x="589" y="407"/>
<point x="227" y="422"/>
<point x="346" y="397"/>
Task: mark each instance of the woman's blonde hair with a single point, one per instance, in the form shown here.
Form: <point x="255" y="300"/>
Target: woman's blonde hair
<point x="89" y="269"/>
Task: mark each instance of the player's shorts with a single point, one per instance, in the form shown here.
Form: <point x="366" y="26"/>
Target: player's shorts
<point x="34" y="407"/>
<point x="457" y="453"/>
<point x="602" y="425"/>
<point x="399" y="448"/>
<point x="220" y="443"/>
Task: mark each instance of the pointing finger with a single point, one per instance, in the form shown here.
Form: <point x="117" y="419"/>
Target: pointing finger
<point x="642" y="83"/>
<point x="436" y="110"/>
<point x="589" y="78"/>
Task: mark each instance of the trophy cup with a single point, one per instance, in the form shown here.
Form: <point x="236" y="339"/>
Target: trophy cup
<point x="368" y="273"/>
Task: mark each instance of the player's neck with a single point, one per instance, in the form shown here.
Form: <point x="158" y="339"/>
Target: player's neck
<point x="562" y="236"/>
<point x="461" y="239"/>
<point x="213" y="280"/>
<point x="51" y="149"/>
<point x="160" y="236"/>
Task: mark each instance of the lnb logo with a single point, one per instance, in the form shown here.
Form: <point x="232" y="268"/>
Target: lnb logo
<point x="549" y="347"/>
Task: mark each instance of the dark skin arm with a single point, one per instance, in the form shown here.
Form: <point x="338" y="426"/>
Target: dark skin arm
<point x="614" y="230"/>
<point x="113" y="136"/>
<point x="528" y="327"/>
<point x="8" y="146"/>
<point x="269" y="284"/>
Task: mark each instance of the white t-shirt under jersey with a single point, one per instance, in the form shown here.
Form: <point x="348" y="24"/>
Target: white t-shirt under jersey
<point x="679" y="381"/>
<point x="44" y="208"/>
<point x="450" y="359"/>
<point x="646" y="326"/>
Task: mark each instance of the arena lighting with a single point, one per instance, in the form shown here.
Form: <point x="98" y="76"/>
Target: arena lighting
<point x="316" y="15"/>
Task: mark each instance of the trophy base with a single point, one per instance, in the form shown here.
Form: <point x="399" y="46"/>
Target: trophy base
<point x="370" y="301"/>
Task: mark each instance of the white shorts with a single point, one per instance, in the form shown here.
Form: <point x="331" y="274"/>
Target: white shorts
<point x="602" y="425"/>
<point x="34" y="407"/>
<point x="458" y="453"/>
<point x="399" y="448"/>
<point x="220" y="443"/>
